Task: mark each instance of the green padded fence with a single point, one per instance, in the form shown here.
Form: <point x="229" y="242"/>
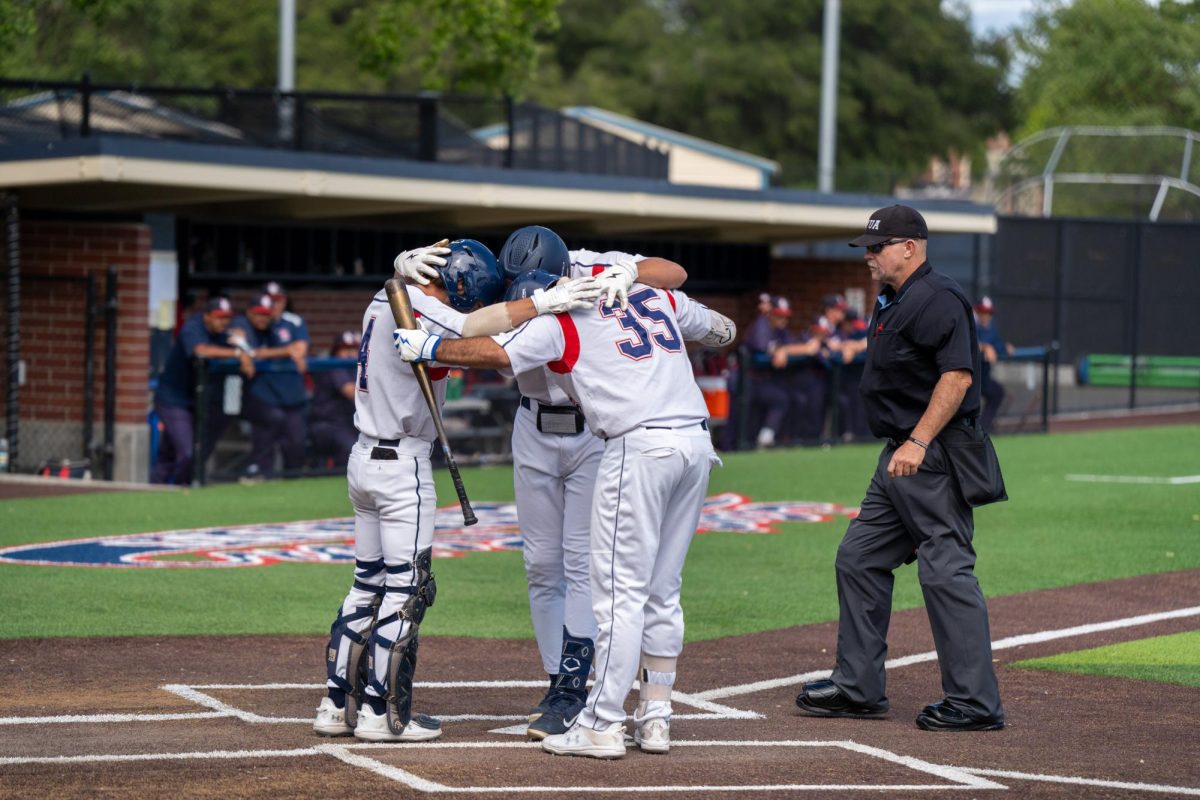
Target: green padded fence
<point x="1155" y="372"/>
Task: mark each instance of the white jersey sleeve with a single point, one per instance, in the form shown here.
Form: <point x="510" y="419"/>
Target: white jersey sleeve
<point x="589" y="262"/>
<point x="537" y="343"/>
<point x="695" y="318"/>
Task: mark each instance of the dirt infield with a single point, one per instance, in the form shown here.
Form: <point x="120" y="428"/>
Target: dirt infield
<point x="230" y="717"/>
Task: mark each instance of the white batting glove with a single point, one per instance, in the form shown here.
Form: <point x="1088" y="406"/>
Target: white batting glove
<point x="616" y="280"/>
<point x="420" y="265"/>
<point x="415" y="344"/>
<point x="566" y="295"/>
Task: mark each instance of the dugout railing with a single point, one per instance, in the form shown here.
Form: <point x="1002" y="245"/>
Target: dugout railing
<point x="824" y="407"/>
<point x="446" y="128"/>
<point x="478" y="424"/>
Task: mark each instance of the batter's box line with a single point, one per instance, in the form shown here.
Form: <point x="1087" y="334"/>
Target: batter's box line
<point x="957" y="778"/>
<point x="709" y="710"/>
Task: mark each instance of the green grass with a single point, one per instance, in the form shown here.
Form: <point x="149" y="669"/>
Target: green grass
<point x="1052" y="533"/>
<point x="1162" y="659"/>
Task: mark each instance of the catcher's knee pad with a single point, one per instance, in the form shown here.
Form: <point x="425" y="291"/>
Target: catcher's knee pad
<point x="345" y="662"/>
<point x="575" y="663"/>
<point x="402" y="651"/>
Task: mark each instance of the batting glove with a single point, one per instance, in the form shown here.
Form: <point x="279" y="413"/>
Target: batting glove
<point x="616" y="280"/>
<point x="566" y="295"/>
<point x="421" y="264"/>
<point x="415" y="344"/>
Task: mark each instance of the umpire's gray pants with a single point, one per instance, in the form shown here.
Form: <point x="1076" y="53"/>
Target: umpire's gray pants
<point x="926" y="513"/>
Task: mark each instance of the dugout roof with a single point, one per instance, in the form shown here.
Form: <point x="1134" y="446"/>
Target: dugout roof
<point x="113" y="175"/>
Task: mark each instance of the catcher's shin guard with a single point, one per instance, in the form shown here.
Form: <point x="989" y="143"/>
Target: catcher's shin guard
<point x="350" y="634"/>
<point x="402" y="653"/>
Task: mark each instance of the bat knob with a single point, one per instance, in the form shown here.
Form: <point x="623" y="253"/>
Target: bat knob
<point x="469" y="517"/>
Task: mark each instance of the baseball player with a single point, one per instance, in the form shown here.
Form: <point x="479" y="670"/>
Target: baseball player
<point x="554" y="472"/>
<point x="627" y="369"/>
<point x="392" y="492"/>
<point x="203" y="335"/>
<point x="275" y="402"/>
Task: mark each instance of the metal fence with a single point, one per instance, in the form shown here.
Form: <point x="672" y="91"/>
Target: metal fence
<point x="452" y="129"/>
<point x="823" y="407"/>
<point x="1103" y="293"/>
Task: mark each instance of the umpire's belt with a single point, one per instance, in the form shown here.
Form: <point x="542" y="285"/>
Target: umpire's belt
<point x="563" y="420"/>
<point x="392" y="449"/>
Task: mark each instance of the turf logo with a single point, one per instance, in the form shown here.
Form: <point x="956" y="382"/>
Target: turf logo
<point x="332" y="540"/>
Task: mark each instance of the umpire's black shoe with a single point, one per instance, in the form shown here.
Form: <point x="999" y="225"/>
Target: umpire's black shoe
<point x="825" y="699"/>
<point x="941" y="717"/>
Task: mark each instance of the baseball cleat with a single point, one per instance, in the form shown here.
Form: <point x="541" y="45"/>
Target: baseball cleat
<point x="331" y="720"/>
<point x="564" y="706"/>
<point x="581" y="741"/>
<point x="373" y="727"/>
<point x="653" y="735"/>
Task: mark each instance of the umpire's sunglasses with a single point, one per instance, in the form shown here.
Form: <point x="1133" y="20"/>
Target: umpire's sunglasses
<point x="878" y="248"/>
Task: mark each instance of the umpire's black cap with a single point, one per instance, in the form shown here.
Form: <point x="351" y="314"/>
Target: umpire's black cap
<point x="893" y="222"/>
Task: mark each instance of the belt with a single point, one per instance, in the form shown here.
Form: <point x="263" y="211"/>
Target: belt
<point x="390" y="449"/>
<point x="703" y="424"/>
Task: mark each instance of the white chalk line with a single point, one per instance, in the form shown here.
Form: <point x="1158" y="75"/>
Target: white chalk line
<point x="100" y="718"/>
<point x="106" y="758"/>
<point x="349" y="754"/>
<point x="1135" y="786"/>
<point x="917" y="658"/>
<point x="1178" y="480"/>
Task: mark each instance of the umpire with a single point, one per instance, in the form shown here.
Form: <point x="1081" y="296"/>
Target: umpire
<point x="917" y="385"/>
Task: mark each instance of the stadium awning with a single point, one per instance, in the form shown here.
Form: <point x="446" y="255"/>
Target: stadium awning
<point x="113" y="175"/>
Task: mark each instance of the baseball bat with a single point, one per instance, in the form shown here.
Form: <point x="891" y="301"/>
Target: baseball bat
<point x="402" y="311"/>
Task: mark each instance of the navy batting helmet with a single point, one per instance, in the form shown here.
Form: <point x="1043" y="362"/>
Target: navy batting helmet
<point x="534" y="247"/>
<point x="471" y="275"/>
<point x="528" y="282"/>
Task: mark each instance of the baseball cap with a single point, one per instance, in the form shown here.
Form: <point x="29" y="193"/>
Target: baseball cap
<point x="984" y="306"/>
<point x="219" y="307"/>
<point x="274" y="288"/>
<point x="893" y="222"/>
<point x="780" y="306"/>
<point x="345" y="339"/>
<point x="834" y="301"/>
<point x="261" y="304"/>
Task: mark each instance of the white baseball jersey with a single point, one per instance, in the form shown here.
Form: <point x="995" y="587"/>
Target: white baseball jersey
<point x="625" y="369"/>
<point x="388" y="403"/>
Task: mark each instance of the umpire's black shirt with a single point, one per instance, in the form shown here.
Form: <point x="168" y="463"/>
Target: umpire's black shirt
<point x="917" y="333"/>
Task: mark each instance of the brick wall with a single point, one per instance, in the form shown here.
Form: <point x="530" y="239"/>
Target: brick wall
<point x="52" y="322"/>
<point x="804" y="283"/>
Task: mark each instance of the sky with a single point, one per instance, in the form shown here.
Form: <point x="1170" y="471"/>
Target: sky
<point x="995" y="16"/>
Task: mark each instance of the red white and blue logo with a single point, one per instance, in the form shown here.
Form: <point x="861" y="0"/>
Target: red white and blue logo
<point x="332" y="540"/>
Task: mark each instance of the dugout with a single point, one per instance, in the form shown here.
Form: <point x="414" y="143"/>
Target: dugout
<point x="166" y="193"/>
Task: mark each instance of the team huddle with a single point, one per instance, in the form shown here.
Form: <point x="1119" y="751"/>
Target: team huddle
<point x="609" y="476"/>
<point x="611" y="458"/>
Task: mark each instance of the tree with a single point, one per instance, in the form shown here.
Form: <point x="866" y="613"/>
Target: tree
<point x="746" y="73"/>
<point x="1111" y="62"/>
<point x="485" y="46"/>
<point x="460" y="45"/>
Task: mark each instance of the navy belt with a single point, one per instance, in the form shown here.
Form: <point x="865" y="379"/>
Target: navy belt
<point x="389" y="443"/>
